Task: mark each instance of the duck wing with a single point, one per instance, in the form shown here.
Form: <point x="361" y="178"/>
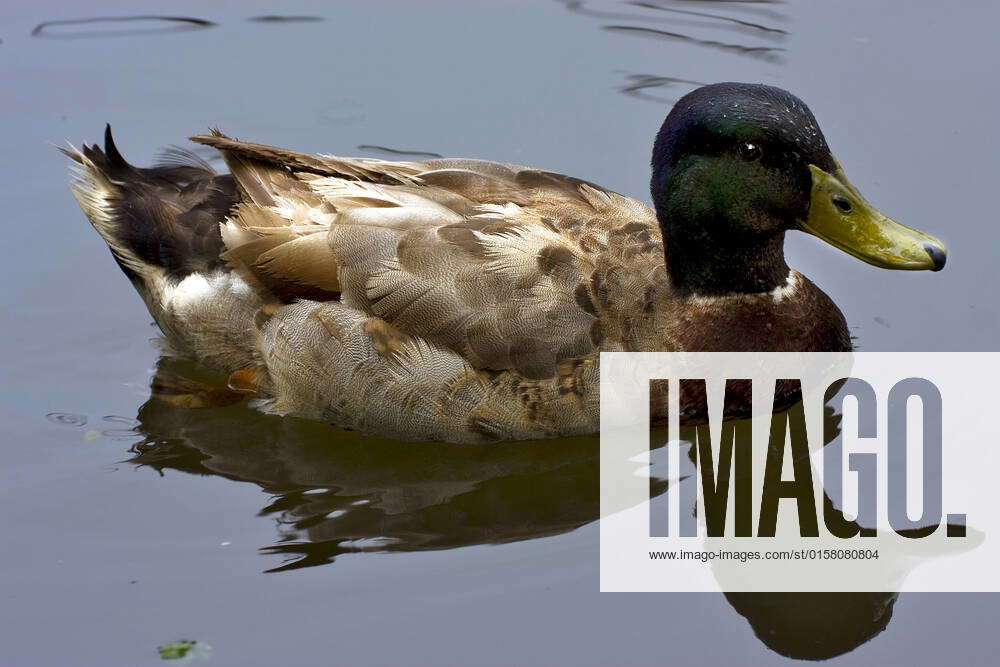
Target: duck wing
<point x="510" y="267"/>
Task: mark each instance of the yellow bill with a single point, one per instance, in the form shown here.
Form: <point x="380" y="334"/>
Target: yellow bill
<point x="839" y="215"/>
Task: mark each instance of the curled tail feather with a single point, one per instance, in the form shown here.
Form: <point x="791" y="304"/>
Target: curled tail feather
<point x="98" y="196"/>
<point x="160" y="221"/>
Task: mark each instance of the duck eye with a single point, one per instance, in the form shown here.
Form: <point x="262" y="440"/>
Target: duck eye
<point x="749" y="151"/>
<point x="842" y="204"/>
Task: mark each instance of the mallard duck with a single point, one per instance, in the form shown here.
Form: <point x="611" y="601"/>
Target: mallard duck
<point x="468" y="301"/>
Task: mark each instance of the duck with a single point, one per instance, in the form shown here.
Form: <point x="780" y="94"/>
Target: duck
<point x="469" y="301"/>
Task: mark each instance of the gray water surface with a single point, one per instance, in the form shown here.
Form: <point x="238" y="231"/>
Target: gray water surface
<point x="128" y="523"/>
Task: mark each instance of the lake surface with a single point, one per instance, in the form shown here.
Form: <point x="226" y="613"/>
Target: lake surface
<point x="128" y="524"/>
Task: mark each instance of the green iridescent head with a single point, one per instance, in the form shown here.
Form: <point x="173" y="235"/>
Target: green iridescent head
<point x="737" y="165"/>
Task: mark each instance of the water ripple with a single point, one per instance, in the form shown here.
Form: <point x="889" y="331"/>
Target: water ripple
<point x="394" y="151"/>
<point x="771" y="53"/>
<point x="176" y="24"/>
<point x="717" y="17"/>
<point x="67" y="418"/>
<point x="639" y="83"/>
<point x="274" y="18"/>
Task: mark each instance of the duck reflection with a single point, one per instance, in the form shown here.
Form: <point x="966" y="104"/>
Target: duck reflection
<point x="338" y="492"/>
<point x="802" y="626"/>
<point x="814" y="626"/>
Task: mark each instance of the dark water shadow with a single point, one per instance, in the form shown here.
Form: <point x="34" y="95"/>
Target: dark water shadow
<point x="814" y="626"/>
<point x="393" y="152"/>
<point x="162" y="24"/>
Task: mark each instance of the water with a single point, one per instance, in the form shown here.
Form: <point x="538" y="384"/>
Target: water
<point x="129" y="524"/>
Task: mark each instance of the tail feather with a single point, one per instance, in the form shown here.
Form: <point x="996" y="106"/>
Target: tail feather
<point x="99" y="198"/>
<point x="114" y="158"/>
<point x="161" y="221"/>
<point x="361" y="169"/>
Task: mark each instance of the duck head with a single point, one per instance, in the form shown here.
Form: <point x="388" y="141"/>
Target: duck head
<point x="737" y="165"/>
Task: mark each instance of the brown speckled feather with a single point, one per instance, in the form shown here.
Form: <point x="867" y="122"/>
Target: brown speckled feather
<point x="510" y="267"/>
